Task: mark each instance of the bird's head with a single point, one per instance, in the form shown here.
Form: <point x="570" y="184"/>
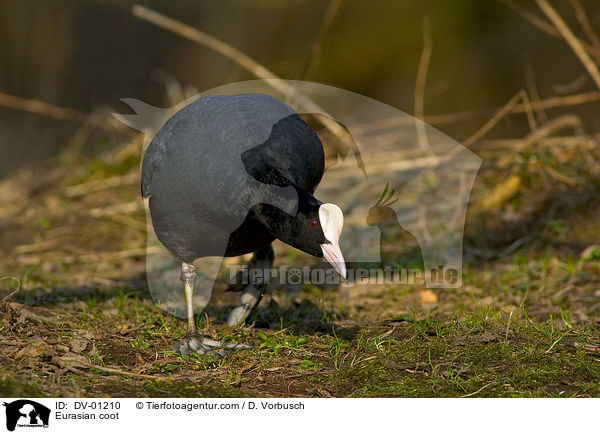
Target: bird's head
<point x="381" y="214"/>
<point x="315" y="229"/>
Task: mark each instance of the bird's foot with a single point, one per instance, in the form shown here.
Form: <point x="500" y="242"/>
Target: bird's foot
<point x="196" y="343"/>
<point x="250" y="299"/>
<point x="252" y="291"/>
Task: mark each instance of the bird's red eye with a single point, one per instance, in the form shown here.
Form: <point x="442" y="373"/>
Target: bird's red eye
<point x="313" y="223"/>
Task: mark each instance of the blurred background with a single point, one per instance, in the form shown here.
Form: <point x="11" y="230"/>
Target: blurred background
<point x="86" y="55"/>
<point x="515" y="81"/>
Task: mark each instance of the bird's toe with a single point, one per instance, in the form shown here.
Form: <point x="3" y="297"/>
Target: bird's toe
<point x="237" y="317"/>
<point x="197" y="343"/>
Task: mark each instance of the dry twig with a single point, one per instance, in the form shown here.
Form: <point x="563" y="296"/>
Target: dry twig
<point x="6" y="298"/>
<point x="420" y="88"/>
<point x="126" y="373"/>
<point x="584" y="22"/>
<point x="245" y="62"/>
<point x="555" y="125"/>
<point x="52" y="111"/>
<point x="476" y="392"/>
<point x="528" y="109"/>
<point x="96" y="185"/>
<point x="500" y="114"/>
<point x="448" y="118"/>
<point x="573" y="42"/>
<point x="530" y="84"/>
<point x="544" y="26"/>
<point x="315" y="54"/>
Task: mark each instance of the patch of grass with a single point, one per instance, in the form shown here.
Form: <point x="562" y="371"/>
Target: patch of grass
<point x="276" y="342"/>
<point x="523" y="326"/>
<point x="460" y="357"/>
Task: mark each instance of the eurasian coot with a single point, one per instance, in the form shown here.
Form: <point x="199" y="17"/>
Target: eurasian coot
<point x="226" y="176"/>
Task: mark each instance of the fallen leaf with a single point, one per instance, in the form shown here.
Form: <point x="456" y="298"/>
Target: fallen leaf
<point x="428" y="296"/>
<point x="25" y="314"/>
<point x="34" y="349"/>
<point x="80" y="341"/>
<point x="79" y="344"/>
<point x="71" y="360"/>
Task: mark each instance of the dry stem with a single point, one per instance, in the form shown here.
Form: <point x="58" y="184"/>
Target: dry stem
<point x="573" y="42"/>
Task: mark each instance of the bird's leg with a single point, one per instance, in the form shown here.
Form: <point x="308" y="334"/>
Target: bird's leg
<point x="188" y="277"/>
<point x="194" y="340"/>
<point x="253" y="292"/>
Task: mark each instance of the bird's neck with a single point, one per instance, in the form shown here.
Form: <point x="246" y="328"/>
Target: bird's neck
<point x="276" y="211"/>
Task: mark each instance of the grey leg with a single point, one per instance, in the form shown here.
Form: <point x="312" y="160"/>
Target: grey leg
<point x="188" y="277"/>
<point x="252" y="292"/>
<point x="194" y="340"/>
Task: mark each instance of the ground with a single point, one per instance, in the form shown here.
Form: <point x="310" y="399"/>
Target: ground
<point x="120" y="344"/>
<point x="525" y="323"/>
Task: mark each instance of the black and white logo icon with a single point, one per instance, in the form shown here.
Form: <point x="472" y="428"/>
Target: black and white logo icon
<point x="26" y="413"/>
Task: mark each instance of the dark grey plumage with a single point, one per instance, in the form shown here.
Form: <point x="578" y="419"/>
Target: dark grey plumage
<point x="211" y="165"/>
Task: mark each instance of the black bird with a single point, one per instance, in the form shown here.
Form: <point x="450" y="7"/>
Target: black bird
<point x="226" y="176"/>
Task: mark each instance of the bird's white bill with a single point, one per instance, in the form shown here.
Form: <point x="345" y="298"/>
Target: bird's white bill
<point x="332" y="220"/>
<point x="333" y="254"/>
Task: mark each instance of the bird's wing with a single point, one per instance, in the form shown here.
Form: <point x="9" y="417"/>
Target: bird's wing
<point x="155" y="154"/>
